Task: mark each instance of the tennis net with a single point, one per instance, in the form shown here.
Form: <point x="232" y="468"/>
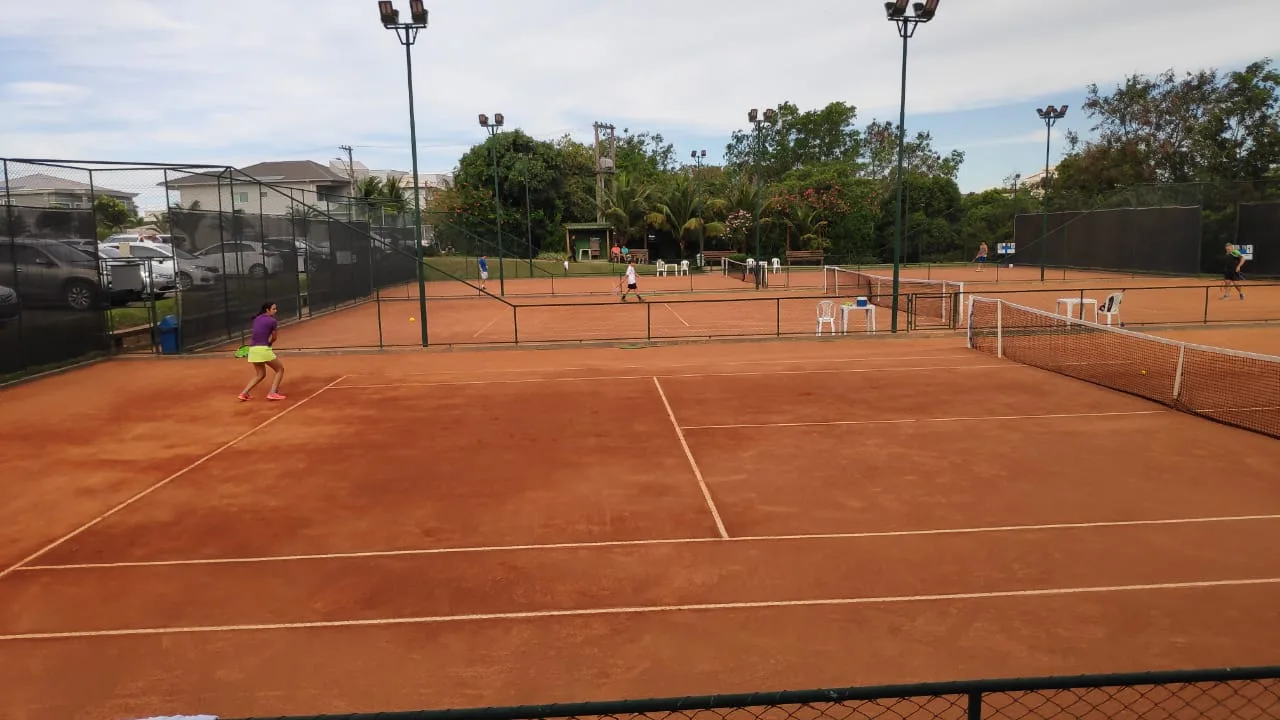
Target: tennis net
<point x="1229" y="386"/>
<point x="936" y="301"/>
<point x="737" y="269"/>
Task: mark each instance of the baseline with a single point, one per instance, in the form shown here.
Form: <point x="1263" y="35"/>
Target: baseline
<point x="147" y="491"/>
<point x="638" y="610"/>
<point x="661" y="541"/>
<point x="905" y="421"/>
<point x="842" y="371"/>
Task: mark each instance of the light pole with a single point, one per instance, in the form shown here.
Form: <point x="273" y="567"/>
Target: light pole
<point x="493" y="128"/>
<point x="697" y="177"/>
<point x="407" y="33"/>
<point x="1050" y="115"/>
<point x="753" y="116"/>
<point x="528" y="216"/>
<point x="896" y="10"/>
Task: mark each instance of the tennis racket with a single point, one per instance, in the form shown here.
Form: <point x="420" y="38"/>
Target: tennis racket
<point x="242" y="351"/>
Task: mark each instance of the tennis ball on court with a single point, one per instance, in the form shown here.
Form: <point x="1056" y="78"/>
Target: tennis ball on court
<point x="411" y="320"/>
<point x="1144" y="372"/>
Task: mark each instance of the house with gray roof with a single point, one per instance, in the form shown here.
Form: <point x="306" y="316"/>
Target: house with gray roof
<point x="40" y="190"/>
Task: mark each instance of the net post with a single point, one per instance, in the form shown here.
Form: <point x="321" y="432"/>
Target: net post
<point x="515" y="324"/>
<point x="777" y="315"/>
<point x="648" y="322"/>
<point x="999" y="328"/>
<point x="1177" y="374"/>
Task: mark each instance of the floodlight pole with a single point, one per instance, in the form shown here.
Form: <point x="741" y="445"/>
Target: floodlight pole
<point x="906" y="24"/>
<point x="697" y="187"/>
<point x="769" y="116"/>
<point x="1050" y="115"/>
<point x="497" y="201"/>
<point x="407" y="34"/>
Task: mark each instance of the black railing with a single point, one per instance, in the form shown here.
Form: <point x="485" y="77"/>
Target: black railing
<point x="1236" y="693"/>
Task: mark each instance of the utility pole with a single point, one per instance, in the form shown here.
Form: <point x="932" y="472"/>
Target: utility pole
<point x="351" y="175"/>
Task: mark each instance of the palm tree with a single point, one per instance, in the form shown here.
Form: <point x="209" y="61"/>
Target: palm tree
<point x="681" y="214"/>
<point x="395" y="197"/>
<point x="739" y="201"/>
<point x="629" y="207"/>
<point x="368" y="196"/>
<point x="809" y="225"/>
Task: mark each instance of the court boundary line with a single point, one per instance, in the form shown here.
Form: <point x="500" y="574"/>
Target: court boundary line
<point x="994" y="529"/>
<point x="673" y="312"/>
<point x="649" y="609"/>
<point x="908" y="421"/>
<point x="706" y="492"/>
<point x="156" y="486"/>
<point x="840" y="371"/>
<point x="780" y="361"/>
<point x="486" y="327"/>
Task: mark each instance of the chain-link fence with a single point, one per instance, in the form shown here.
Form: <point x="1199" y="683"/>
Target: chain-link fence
<point x="1235" y="694"/>
<point x="101" y="258"/>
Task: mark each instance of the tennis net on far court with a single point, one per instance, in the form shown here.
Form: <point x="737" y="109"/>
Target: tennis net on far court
<point x="1229" y="386"/>
<point x="936" y="301"/>
<point x="737" y="269"/>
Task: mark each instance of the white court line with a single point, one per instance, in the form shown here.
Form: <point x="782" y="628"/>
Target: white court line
<point x="486" y="327"/>
<point x="1227" y="410"/>
<point x="650" y="609"/>
<point x="661" y="541"/>
<point x="138" y="496"/>
<point x="925" y="420"/>
<point x="840" y="371"/>
<point x="706" y="493"/>
<point x="673" y="312"/>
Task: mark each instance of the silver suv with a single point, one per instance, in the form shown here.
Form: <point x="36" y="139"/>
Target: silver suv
<point x="52" y="272"/>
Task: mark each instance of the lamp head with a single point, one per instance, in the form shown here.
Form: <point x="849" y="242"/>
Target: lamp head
<point x="497" y="119"/>
<point x="896" y="9"/>
<point x="417" y="12"/>
<point x="770" y="115"/>
<point x="752" y="114"/>
<point x="484" y="120"/>
<point x="926" y="10"/>
<point x="388" y="13"/>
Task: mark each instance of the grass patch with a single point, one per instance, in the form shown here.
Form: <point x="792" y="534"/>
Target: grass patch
<point x="128" y="317"/>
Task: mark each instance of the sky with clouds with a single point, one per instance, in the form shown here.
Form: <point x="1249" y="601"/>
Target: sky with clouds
<point x="242" y="81"/>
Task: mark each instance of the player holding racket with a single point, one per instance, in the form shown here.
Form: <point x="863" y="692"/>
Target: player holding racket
<point x="260" y="355"/>
<point x="631" y="281"/>
<point x="1231" y="275"/>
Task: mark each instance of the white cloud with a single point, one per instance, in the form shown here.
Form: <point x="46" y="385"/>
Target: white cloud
<point x="255" y="80"/>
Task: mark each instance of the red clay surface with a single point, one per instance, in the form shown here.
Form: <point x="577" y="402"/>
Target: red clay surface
<point x="896" y="510"/>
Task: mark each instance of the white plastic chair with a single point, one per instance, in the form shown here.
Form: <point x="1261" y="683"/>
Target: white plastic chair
<point x="751" y="263"/>
<point x="1111" y="307"/>
<point x="684" y="268"/>
<point x="661" y="268"/>
<point x="827" y="315"/>
<point x="777" y="265"/>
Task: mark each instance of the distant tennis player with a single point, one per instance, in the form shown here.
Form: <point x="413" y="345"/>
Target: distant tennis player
<point x="1232" y="265"/>
<point x="982" y="257"/>
<point x="631" y="281"/>
<point x="484" y="270"/>
<point x="261" y="356"/>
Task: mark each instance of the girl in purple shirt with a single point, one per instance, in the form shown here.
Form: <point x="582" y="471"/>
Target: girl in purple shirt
<point x="261" y="355"/>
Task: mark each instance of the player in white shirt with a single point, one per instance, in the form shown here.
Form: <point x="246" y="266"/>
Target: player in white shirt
<point x="631" y="281"/>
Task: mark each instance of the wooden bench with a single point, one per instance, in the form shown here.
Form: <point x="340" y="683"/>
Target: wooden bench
<point x="804" y="255"/>
<point x="713" y="257"/>
<point x="640" y="256"/>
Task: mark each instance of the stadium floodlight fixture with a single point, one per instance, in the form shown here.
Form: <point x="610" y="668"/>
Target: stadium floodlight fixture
<point x="418" y="13"/>
<point x="896" y="8"/>
<point x="926" y="10"/>
<point x="390" y="15"/>
<point x="1050" y="115"/>
<point x="752" y="114"/>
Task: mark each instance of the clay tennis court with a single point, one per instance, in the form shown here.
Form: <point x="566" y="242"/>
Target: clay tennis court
<point x="584" y="309"/>
<point x="434" y="530"/>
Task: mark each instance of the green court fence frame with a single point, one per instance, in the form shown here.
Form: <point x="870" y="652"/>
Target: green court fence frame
<point x="1244" y="692"/>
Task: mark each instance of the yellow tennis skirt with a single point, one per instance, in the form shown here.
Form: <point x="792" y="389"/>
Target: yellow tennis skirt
<point x="261" y="354"/>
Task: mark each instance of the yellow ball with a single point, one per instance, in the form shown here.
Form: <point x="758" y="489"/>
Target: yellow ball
<point x="411" y="320"/>
<point x="1144" y="372"/>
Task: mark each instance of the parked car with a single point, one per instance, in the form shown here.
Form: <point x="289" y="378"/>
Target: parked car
<point x="173" y="268"/>
<point x="310" y="255"/>
<point x="50" y="271"/>
<point x="241" y="257"/>
<point x="10" y="305"/>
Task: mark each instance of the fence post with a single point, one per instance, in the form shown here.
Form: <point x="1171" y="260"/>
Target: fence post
<point x="648" y="322"/>
<point x="1082" y="304"/>
<point x="975" y="705"/>
<point x="777" y="314"/>
<point x="1206" y="304"/>
<point x="515" y="324"/>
